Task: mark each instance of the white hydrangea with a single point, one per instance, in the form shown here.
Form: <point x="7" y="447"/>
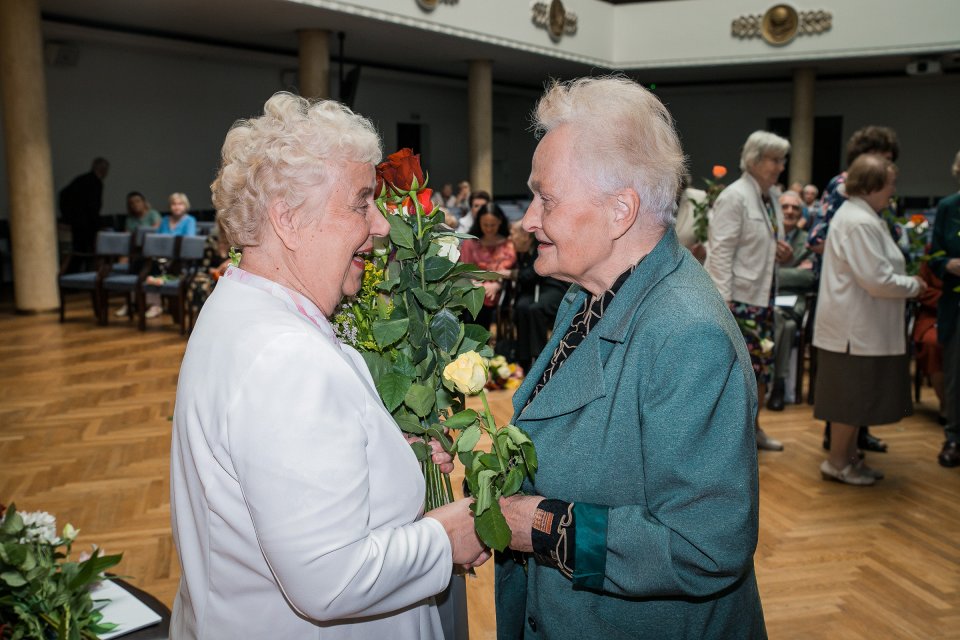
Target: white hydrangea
<point x="40" y="527"/>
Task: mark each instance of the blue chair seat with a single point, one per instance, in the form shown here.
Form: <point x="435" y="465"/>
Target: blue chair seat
<point x="120" y="267"/>
<point x="86" y="280"/>
<point x="120" y="282"/>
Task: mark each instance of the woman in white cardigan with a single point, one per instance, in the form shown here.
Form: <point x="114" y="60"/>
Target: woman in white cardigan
<point x="863" y="376"/>
<point x="296" y="500"/>
<point x="745" y="242"/>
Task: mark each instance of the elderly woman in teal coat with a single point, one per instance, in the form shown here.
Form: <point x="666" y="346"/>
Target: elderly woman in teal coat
<point x="643" y="519"/>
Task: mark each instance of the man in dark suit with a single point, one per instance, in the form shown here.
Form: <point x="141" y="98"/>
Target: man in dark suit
<point x="794" y="278"/>
<point x="80" y="203"/>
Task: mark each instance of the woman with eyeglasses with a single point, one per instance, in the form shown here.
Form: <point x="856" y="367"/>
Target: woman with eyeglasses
<point x="745" y="242"/>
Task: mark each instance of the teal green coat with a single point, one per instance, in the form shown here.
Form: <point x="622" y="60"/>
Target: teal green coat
<point x="946" y="239"/>
<point x="649" y="428"/>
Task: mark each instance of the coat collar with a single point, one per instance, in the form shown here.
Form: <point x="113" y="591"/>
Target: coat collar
<point x="580" y="379"/>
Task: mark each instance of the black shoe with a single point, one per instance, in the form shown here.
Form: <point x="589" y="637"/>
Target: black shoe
<point x="950" y="454"/>
<point x="869" y="442"/>
<point x="775" y="403"/>
<point x="826" y="437"/>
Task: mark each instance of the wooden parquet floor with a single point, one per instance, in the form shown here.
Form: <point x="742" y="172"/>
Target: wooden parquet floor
<point x="85" y="434"/>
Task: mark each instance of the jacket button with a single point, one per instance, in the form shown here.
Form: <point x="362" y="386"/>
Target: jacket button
<point x="532" y="623"/>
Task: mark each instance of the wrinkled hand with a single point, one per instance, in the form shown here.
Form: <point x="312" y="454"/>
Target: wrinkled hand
<point x="491" y="291"/>
<point x="519" y="512"/>
<point x="923" y="285"/>
<point x="784" y="252"/>
<point x="953" y="266"/>
<point x="816" y="248"/>
<point x="440" y="457"/>
<point x="457" y="520"/>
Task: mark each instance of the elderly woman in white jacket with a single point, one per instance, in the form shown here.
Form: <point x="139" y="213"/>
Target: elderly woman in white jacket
<point x="296" y="500"/>
<point x="745" y="243"/>
<point x="863" y="376"/>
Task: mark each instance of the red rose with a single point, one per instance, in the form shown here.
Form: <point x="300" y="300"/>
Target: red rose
<point x="399" y="170"/>
<point x="423" y="197"/>
<point x="719" y="171"/>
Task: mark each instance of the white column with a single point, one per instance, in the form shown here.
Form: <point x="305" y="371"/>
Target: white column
<point x="801" y="126"/>
<point x="480" y="124"/>
<point x="33" y="226"/>
<point x="314" y="63"/>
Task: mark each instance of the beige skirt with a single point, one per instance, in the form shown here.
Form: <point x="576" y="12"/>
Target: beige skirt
<point x="862" y="390"/>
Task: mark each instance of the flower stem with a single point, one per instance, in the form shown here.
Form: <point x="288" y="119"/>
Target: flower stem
<point x="491" y="429"/>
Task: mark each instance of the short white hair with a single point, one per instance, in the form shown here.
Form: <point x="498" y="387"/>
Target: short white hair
<point x="624" y="138"/>
<point x="296" y="145"/>
<point x="760" y="144"/>
<point x="182" y="197"/>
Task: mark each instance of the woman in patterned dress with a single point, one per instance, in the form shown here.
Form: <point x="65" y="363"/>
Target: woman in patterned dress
<point x="745" y="243"/>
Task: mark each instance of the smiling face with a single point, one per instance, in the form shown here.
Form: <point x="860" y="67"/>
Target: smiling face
<point x="489" y="226"/>
<point x="792" y="211"/>
<point x="767" y="169"/>
<point x="565" y="215"/>
<point x="342" y="222"/>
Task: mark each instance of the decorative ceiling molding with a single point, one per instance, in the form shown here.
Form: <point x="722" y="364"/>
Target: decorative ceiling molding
<point x="780" y="24"/>
<point x="554" y="18"/>
<point x="430" y="5"/>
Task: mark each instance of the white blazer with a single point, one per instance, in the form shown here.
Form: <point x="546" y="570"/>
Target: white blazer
<point x="863" y="285"/>
<point x="296" y="500"/>
<point x="741" y="250"/>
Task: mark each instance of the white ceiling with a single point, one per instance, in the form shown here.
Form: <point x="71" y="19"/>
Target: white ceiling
<point x="271" y="25"/>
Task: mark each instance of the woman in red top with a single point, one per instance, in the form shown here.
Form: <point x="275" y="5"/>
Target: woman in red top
<point x="492" y="251"/>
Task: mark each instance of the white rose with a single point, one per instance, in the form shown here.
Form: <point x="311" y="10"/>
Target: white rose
<point x="40" y="526"/>
<point x="449" y="248"/>
<point x="468" y="373"/>
<point x="503" y="372"/>
<point x="498" y="361"/>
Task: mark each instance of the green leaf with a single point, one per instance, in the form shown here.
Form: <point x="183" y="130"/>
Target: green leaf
<point x="393" y="388"/>
<point x="487" y="494"/>
<point x="445" y="399"/>
<point x="386" y="332"/>
<point x="436" y="268"/>
<point x="401" y="234"/>
<point x="486" y="351"/>
<point x="404" y="366"/>
<point x="388" y="285"/>
<point x="492" y="528"/>
<point x="405" y="254"/>
<point x="466" y="459"/>
<point x="516" y="434"/>
<point x="445" y="330"/>
<point x="436" y="432"/>
<point x="469" y="438"/>
<point x="427" y="299"/>
<point x="13" y="579"/>
<point x="489" y="461"/>
<point x="409" y="423"/>
<point x="421" y="450"/>
<point x="461" y="420"/>
<point x="376" y="363"/>
<point x="476" y="332"/>
<point x="12" y="522"/>
<point x="473" y="300"/>
<point x="513" y="482"/>
<point x="421" y="399"/>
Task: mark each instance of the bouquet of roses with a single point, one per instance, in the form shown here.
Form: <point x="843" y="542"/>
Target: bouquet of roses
<point x="41" y="595"/>
<point x="701" y="208"/>
<point x="406" y="322"/>
<point x="916" y="231"/>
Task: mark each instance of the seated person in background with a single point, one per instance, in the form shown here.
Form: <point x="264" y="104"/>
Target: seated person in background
<point x="444" y="197"/>
<point x="468" y="217"/>
<point x="685" y="224"/>
<point x="492" y="250"/>
<point x="811" y="205"/>
<point x="536" y="301"/>
<point x="140" y="213"/>
<point x="179" y="222"/>
<point x="795" y="277"/>
<point x="929" y="350"/>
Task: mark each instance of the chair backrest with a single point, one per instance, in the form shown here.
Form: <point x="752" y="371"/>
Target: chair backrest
<point x="141" y="234"/>
<point x="205" y="228"/>
<point x="113" y="243"/>
<point x="192" y="247"/>
<point x="160" y="245"/>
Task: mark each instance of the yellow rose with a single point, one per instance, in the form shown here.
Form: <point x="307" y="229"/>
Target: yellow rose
<point x="468" y="373"/>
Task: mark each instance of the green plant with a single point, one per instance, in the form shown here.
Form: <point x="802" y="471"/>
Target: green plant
<point x="42" y="595"/>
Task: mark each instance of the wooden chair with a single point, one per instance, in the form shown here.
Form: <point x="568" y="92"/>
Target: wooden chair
<point x="110" y="246"/>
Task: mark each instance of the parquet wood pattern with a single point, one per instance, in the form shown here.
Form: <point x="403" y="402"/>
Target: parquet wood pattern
<point x="85" y="434"/>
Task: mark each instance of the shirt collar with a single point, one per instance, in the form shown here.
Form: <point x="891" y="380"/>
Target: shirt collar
<point x="294" y="300"/>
